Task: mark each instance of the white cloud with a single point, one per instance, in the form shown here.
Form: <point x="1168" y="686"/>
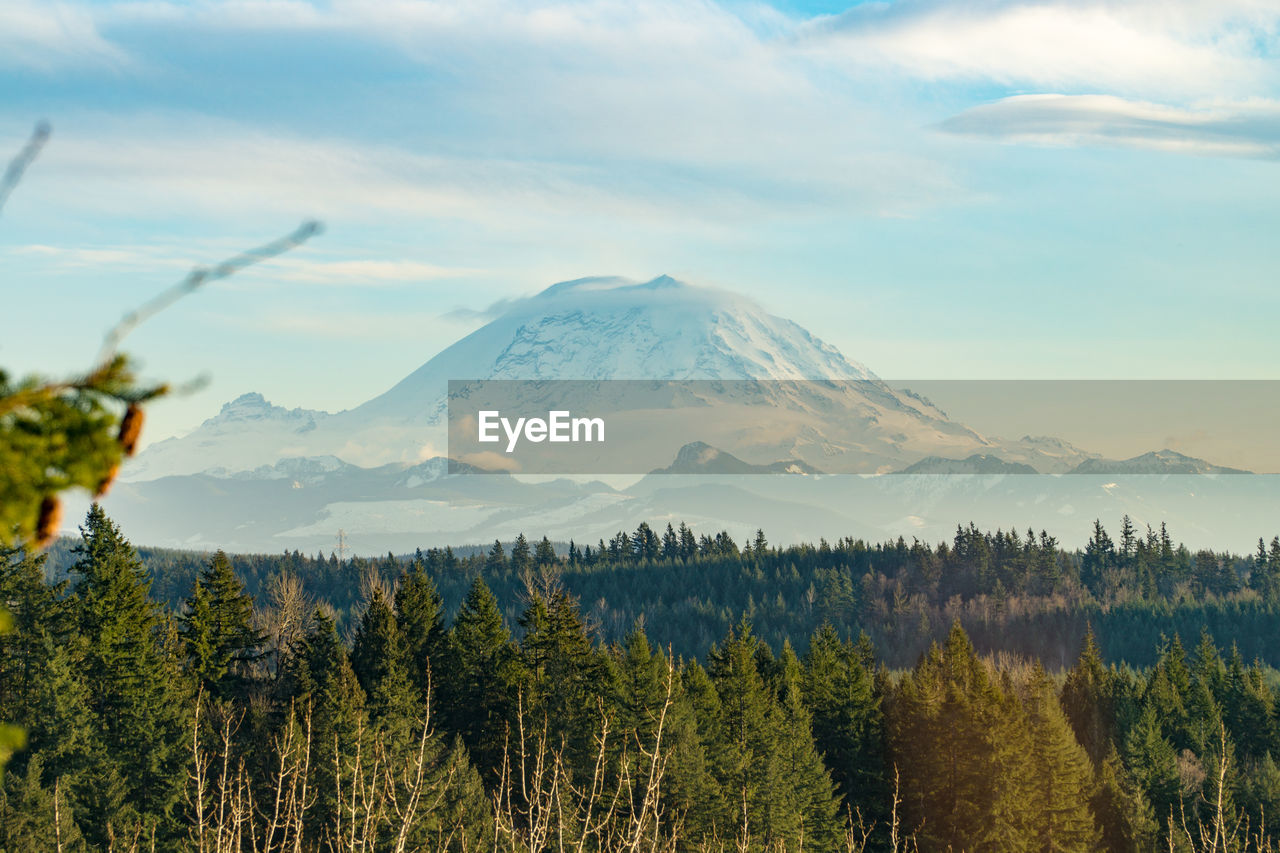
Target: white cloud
<point x="115" y="257"/>
<point x="629" y="108"/>
<point x="353" y="272"/>
<point x="46" y="36"/>
<point x="1169" y="49"/>
<point x="360" y="272"/>
<point x="685" y="115"/>
<point x="801" y="158"/>
<point x="1251" y="129"/>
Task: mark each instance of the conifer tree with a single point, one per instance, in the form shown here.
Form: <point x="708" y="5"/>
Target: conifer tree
<point x="495" y="562"/>
<point x="688" y="544"/>
<point x="1260" y="796"/>
<point x="670" y="543"/>
<point x="1126" y="820"/>
<point x="36" y="613"/>
<point x="483" y="684"/>
<point x="640" y="699"/>
<point x="1099" y="556"/>
<point x="1088" y="701"/>
<point x="325" y="691"/>
<point x="746" y="766"/>
<point x="1010" y="740"/>
<point x="63" y="750"/>
<point x="521" y="557"/>
<point x="379" y="660"/>
<point x="768" y="767"/>
<point x="645" y="544"/>
<point x="848" y="725"/>
<point x="1128" y="540"/>
<point x="462" y="819"/>
<point x="1217" y="800"/>
<point x="1168" y="690"/>
<point x="29" y="817"/>
<point x="1249" y="707"/>
<point x="398" y="722"/>
<point x="62" y="728"/>
<point x="545" y="554"/>
<point x="420" y="618"/>
<point x="1061" y="778"/>
<point x="807" y="790"/>
<point x="715" y="814"/>
<point x="1273" y="566"/>
<point x="955" y="743"/>
<point x="563" y="673"/>
<point x="1153" y="763"/>
<point x="217" y="629"/>
<point x="139" y="712"/>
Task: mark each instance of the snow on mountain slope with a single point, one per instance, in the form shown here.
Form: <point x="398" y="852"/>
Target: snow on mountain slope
<point x="593" y="328"/>
<point x="613" y="328"/>
<point x="262" y="477"/>
<point x="247" y="433"/>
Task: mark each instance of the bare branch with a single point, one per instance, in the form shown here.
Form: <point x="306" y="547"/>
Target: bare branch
<point x="199" y="277"/>
<point x="18" y="165"/>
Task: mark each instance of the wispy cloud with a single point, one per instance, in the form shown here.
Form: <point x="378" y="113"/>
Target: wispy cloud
<point x="47" y="36"/>
<point x="362" y="272"/>
<point x="1166" y="49"/>
<point x="640" y="109"/>
<point x="482" y="315"/>
<point x="191" y="166"/>
<point x="1251" y="129"/>
<point x="99" y="257"/>
<point x="697" y="115"/>
<point x="349" y="272"/>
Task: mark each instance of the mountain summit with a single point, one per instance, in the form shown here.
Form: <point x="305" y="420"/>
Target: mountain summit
<point x="588" y="328"/>
<point x="615" y="328"/>
<point x="257" y="476"/>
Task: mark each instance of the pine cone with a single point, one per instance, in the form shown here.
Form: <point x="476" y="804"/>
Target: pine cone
<point x="105" y="484"/>
<point x="130" y="429"/>
<point x="49" y="521"/>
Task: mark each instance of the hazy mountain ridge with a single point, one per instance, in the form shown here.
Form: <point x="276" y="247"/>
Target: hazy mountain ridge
<point x="701" y="458"/>
<point x="978" y="463"/>
<point x="1155" y="462"/>
<point x="594" y="329"/>
<point x="248" y="433"/>
<point x="259" y="476"/>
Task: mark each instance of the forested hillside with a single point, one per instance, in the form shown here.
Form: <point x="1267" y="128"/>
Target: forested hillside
<point x="249" y="720"/>
<point x="1017" y="592"/>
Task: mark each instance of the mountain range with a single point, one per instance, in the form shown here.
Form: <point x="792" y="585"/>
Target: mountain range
<point x="257" y="476"/>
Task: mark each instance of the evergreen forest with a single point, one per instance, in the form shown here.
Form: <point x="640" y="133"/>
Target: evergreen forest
<point x="661" y="691"/>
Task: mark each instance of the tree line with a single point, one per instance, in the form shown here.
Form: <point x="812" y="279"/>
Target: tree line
<point x="1014" y="592"/>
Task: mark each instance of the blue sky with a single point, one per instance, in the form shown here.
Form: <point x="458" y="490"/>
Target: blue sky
<point x="1051" y="189"/>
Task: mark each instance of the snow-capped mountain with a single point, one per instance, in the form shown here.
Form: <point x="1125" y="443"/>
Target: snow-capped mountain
<point x="614" y="328"/>
<point x="248" y="433"/>
<point x="261" y="477"/>
<point x="596" y="329"/>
